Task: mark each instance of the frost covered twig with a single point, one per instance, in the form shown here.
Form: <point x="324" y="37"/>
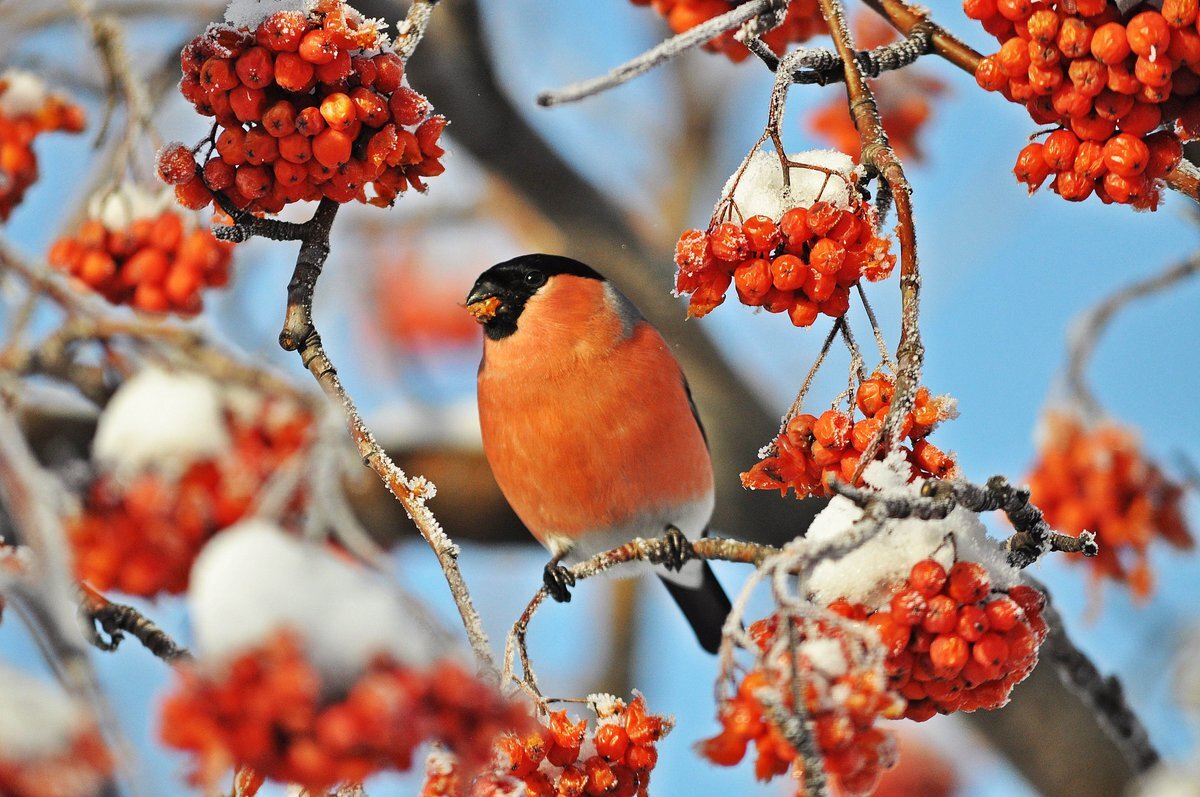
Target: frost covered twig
<point x="300" y="335"/>
<point x="117" y="619"/>
<point x="822" y="66"/>
<point x="655" y="551"/>
<point x="1085" y="332"/>
<point x="660" y="54"/>
<point x="412" y="29"/>
<point x="1032" y="538"/>
<point x="1103" y="695"/>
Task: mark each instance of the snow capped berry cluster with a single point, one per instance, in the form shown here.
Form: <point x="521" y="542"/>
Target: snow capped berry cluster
<point x="313" y="670"/>
<point x="953" y="642"/>
<point x="561" y="757"/>
<point x="136" y="249"/>
<point x="308" y="104"/>
<point x="178" y="461"/>
<point x="802" y="21"/>
<point x="811" y="450"/>
<point x="1096" y="478"/>
<point x="49" y="747"/>
<point x="1108" y="79"/>
<point x="799" y="247"/>
<point x="846" y="690"/>
<point x="26" y="111"/>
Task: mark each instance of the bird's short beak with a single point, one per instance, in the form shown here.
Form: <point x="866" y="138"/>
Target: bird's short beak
<point x="483" y="303"/>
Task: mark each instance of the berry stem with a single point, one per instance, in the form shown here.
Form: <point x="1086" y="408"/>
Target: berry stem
<point x="878" y="154"/>
<point x="115" y="619"/>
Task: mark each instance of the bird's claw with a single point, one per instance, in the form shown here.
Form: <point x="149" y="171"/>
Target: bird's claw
<point x="679" y="550"/>
<point x="557" y="580"/>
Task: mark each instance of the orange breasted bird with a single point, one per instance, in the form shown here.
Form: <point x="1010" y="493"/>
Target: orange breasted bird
<point x="589" y="426"/>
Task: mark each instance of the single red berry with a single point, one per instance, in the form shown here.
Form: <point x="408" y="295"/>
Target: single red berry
<point x="1126" y="155"/>
<point x="175" y="164"/>
<point x="968" y="582"/>
<point x="948" y="654"/>
<point x="908" y="605"/>
<point x="927" y="576"/>
<point x="942" y="615"/>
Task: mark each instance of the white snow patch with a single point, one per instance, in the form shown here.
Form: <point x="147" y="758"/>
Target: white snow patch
<point x="37" y="720"/>
<point x="870" y="573"/>
<point x="161" y="420"/>
<point x="440" y="761"/>
<point x="117" y="208"/>
<point x="254" y="579"/>
<point x="248" y="13"/>
<point x="24" y="95"/>
<point x="760" y="190"/>
<point x="827" y="656"/>
<point x="608" y="708"/>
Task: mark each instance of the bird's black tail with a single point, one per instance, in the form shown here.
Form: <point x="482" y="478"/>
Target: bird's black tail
<point x="705" y="606"/>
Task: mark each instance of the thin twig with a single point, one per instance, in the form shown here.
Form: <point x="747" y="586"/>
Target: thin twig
<point x="410" y="32"/>
<point x="117" y="619"/>
<point x="1087" y="329"/>
<point x="672" y="47"/>
<point x="822" y="66"/>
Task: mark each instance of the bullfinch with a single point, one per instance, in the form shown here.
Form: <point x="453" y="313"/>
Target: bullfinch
<point x="589" y="425"/>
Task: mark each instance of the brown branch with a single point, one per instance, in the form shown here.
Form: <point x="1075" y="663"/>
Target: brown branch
<point x="1086" y="331"/>
<point x="410" y="32"/>
<point x="299" y="334"/>
<point x="878" y="154"/>
<point x="117" y="619"/>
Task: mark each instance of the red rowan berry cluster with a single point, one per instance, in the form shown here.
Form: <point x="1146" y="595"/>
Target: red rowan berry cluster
<point x="65" y="756"/>
<point x="803" y="264"/>
<point x="802" y="22"/>
<point x="561" y="757"/>
<point x="271" y="711"/>
<point x="1098" y="479"/>
<point x="811" y="450"/>
<point x="27" y="111"/>
<point x="846" y="691"/>
<point x="1108" y="79"/>
<point x="953" y="643"/>
<point x="307" y="106"/>
<point x="154" y="259"/>
<point x="140" y="534"/>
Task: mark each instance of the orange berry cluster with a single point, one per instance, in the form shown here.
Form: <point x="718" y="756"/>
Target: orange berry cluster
<point x="804" y="264"/>
<point x="270" y="711"/>
<point x="561" y="758"/>
<point x="802" y="22"/>
<point x="18" y="128"/>
<point x="812" y="450"/>
<point x="1108" y="79"/>
<point x="141" y="535"/>
<point x="80" y="769"/>
<point x="844" y="699"/>
<point x="1098" y="479"/>
<point x="952" y="642"/>
<point x="156" y="264"/>
<point x="304" y="111"/>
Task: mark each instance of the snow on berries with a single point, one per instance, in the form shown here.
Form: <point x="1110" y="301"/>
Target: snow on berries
<point x="802" y="21"/>
<point x="135" y="248"/>
<point x="49" y="745"/>
<point x="811" y="450"/>
<point x="559" y="756"/>
<point x="1096" y="478"/>
<point x="1121" y="88"/>
<point x="309" y="102"/>
<point x="27" y="110"/>
<point x="798" y="244"/>
<point x="313" y="671"/>
<point x="845" y="690"/>
<point x="177" y="460"/>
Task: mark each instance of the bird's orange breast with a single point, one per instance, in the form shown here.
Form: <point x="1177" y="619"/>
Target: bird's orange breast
<point x="585" y="418"/>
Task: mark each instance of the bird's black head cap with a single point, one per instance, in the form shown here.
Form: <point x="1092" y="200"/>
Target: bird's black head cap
<point x="512" y="283"/>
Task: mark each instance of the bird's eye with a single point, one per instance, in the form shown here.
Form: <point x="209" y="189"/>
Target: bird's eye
<point x="534" y="278"/>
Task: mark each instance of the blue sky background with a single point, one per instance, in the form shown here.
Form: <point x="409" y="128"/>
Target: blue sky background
<point x="1004" y="274"/>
